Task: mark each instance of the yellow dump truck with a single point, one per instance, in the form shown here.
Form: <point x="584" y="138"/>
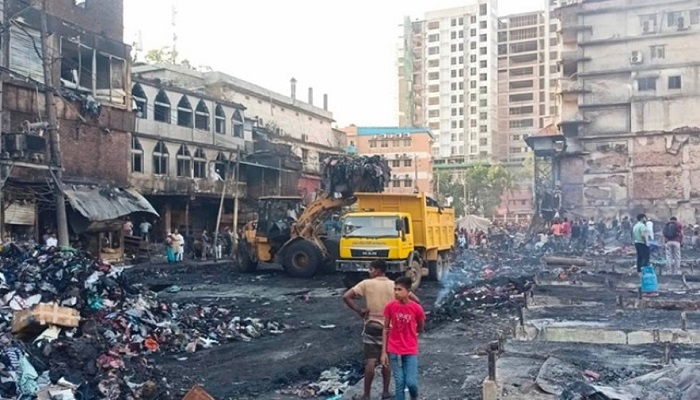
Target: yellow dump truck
<point x="412" y="233"/>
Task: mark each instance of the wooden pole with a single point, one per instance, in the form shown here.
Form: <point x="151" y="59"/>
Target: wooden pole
<point x="221" y="209"/>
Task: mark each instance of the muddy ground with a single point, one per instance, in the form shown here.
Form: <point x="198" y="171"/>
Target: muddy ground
<point x="452" y="363"/>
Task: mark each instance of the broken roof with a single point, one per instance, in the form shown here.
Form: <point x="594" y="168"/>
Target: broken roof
<point x="104" y="204"/>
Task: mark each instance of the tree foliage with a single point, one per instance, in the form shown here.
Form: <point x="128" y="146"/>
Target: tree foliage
<point x="475" y="190"/>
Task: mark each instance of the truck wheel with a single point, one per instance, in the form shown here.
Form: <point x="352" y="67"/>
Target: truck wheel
<point x="333" y="249"/>
<point x="438" y="270"/>
<point x="244" y="259"/>
<point x="350" y="279"/>
<point x="415" y="272"/>
<point x="302" y="259"/>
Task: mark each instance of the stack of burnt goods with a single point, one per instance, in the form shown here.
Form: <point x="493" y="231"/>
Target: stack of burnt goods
<point x="496" y="293"/>
<point x="346" y="175"/>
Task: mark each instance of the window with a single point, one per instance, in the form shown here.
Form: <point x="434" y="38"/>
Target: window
<point x="407" y="183"/>
<point x="454" y="60"/>
<point x="161" y="108"/>
<point x="472" y="19"/>
<point x="482" y="77"/>
<point x="522" y="123"/>
<point x="526" y="58"/>
<point x="433" y="113"/>
<point x="483" y="103"/>
<point x="433" y="38"/>
<point x="483" y="116"/>
<point x="433" y="101"/>
<point x="482" y="9"/>
<point x="522" y="110"/>
<point x="433" y="76"/>
<point x="521" y="71"/>
<point x="502" y="49"/>
<point x="184" y="112"/>
<point x="461" y="34"/>
<point x="461" y="21"/>
<point x="483" y="142"/>
<point x="372" y="144"/>
<point x="219" y="120"/>
<point x="434" y="25"/>
<point x="395" y="163"/>
<point x="521" y="84"/>
<point x="454" y="124"/>
<point x="644" y="84"/>
<point x="395" y="143"/>
<point x="136" y="155"/>
<point x="522" y="34"/>
<point x="395" y="183"/>
<point x="473" y="123"/>
<point x="384" y="143"/>
<point x="433" y="50"/>
<point x="160" y="159"/>
<point x="673" y="18"/>
<point x="201" y="117"/>
<point x="433" y="63"/>
<point x="433" y="88"/>
<point x="140" y="103"/>
<point x="407" y="163"/>
<point x="453" y="73"/>
<point x="523" y="47"/>
<point x="483" y="89"/>
<point x="461" y="47"/>
<point x="237" y="121"/>
<point x="482" y="25"/>
<point x="472" y="58"/>
<point x="482" y="64"/>
<point x="454" y="22"/>
<point x="453" y="35"/>
<point x="407" y="142"/>
<point x="184" y="162"/>
<point x="694" y="17"/>
<point x="221" y="165"/>
<point x="454" y="112"/>
<point x="472" y="45"/>
<point x="472" y="71"/>
<point x="482" y="38"/>
<point x="200" y="163"/>
<point x="472" y="97"/>
<point x="453" y="48"/>
<point x="674" y="82"/>
<point x="658" y="52"/>
<point x="482" y="51"/>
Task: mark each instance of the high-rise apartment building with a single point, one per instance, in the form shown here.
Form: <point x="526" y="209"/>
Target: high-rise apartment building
<point x="448" y="80"/>
<point x="527" y="73"/>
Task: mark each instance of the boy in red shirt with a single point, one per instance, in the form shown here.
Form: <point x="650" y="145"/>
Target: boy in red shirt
<point x="403" y="319"/>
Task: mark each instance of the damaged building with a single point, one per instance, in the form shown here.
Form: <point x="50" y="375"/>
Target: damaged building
<point x="90" y="76"/>
<point x="628" y="135"/>
<point x="288" y="138"/>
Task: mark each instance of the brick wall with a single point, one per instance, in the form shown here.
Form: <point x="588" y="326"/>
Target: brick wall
<point x="90" y="152"/>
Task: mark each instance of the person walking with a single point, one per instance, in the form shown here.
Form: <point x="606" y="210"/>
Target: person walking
<point x="377" y="291"/>
<point x="673" y="236"/>
<point x="403" y="319"/>
<point x="641" y="242"/>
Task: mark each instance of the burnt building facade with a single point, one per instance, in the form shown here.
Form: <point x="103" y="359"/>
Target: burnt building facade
<point x="90" y="75"/>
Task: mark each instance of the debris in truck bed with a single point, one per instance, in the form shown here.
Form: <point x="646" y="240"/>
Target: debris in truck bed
<point x="121" y="324"/>
<point x="347" y="175"/>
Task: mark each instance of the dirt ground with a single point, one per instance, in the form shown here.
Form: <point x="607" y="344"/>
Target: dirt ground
<point x="452" y="364"/>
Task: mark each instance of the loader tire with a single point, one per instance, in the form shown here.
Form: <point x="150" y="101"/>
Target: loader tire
<point x="244" y="259"/>
<point x="302" y="259"/>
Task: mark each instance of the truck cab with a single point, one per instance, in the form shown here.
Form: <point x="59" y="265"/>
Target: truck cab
<point x="367" y="236"/>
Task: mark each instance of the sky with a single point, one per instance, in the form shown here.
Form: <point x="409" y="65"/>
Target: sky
<point x="347" y="49"/>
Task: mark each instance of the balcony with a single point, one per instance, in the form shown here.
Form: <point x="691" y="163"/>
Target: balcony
<point x="171" y="185"/>
<point x="573" y="56"/>
<point x="572" y="88"/>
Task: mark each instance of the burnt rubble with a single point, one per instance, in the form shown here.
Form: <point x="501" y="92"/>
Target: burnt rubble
<point x="107" y="355"/>
<point x="346" y="175"/>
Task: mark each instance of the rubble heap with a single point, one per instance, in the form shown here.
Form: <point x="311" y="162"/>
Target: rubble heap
<point x="492" y="293"/>
<point x="347" y="175"/>
<point x="121" y="324"/>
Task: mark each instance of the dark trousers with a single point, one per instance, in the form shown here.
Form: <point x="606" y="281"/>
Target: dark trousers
<point x="643" y="255"/>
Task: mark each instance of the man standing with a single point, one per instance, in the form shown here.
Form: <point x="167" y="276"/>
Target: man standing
<point x="566" y="232"/>
<point x="641" y="242"/>
<point x="145" y="229"/>
<point x="673" y="235"/>
<point x="378" y="291"/>
<point x="179" y="256"/>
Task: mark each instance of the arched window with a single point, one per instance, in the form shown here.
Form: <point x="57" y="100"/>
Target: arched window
<point x="160" y="159"/>
<point x="140" y="103"/>
<point x="200" y="163"/>
<point x="184" y="112"/>
<point x="202" y="117"/>
<point x="161" y="108"/>
<point x="220" y="120"/>
<point x="221" y="165"/>
<point x="136" y="155"/>
<point x="184" y="162"/>
<point x="237" y="121"/>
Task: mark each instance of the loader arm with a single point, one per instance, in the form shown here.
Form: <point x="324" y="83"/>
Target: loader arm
<point x="310" y="220"/>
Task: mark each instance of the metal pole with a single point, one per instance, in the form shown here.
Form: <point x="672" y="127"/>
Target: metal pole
<point x="3" y="168"/>
<point x="493" y="348"/>
<point x="221" y="209"/>
<point x="56" y="158"/>
<point x="235" y="197"/>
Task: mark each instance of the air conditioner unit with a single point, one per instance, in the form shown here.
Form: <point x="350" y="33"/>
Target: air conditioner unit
<point x="405" y="155"/>
<point x="383" y="136"/>
<point x="304" y="137"/>
<point x="636" y="57"/>
<point x="396" y="156"/>
<point x="681" y="24"/>
<point x="648" y="27"/>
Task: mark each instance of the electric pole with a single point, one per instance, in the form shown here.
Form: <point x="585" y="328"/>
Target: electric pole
<point x="56" y="160"/>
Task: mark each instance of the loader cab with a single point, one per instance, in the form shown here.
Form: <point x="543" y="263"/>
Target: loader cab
<point x="276" y="215"/>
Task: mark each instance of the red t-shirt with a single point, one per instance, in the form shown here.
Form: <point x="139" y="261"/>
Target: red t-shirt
<point x="403" y="327"/>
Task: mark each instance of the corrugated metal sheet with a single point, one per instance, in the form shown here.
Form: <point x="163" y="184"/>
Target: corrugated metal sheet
<point x="23" y="56"/>
<point x="20" y="214"/>
<point x="104" y="204"/>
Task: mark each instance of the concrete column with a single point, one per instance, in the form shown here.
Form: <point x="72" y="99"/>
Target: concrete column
<point x="489" y="390"/>
<point x="167" y="218"/>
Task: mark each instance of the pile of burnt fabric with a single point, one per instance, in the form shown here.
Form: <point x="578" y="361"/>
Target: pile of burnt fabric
<point x="499" y="292"/>
<point x="346" y="175"/>
<point x="121" y="326"/>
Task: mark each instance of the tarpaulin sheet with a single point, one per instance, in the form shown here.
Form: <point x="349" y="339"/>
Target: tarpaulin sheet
<point x="473" y="222"/>
<point x="104" y="204"/>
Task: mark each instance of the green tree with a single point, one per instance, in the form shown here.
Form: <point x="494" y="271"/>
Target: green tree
<point x="485" y="186"/>
<point x="162" y="55"/>
<point x="448" y="186"/>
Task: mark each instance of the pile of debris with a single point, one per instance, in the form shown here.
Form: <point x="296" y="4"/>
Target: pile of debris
<point x="79" y="326"/>
<point x="346" y="175"/>
<point x="493" y="293"/>
<point x="332" y="382"/>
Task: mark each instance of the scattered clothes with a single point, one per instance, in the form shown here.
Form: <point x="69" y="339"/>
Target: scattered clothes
<point x="332" y="382"/>
<point x="346" y="175"/>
